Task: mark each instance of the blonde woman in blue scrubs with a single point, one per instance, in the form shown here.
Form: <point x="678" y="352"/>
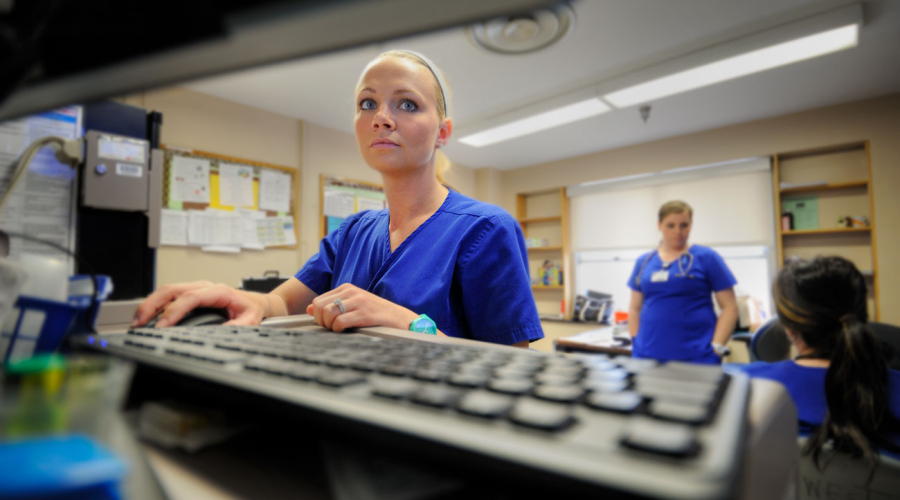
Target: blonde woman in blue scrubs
<point x="435" y="261"/>
<point x="671" y="316"/>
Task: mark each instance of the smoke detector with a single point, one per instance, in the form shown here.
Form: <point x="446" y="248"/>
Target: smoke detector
<point x="524" y="33"/>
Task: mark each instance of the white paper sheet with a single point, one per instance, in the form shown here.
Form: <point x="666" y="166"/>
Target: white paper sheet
<point x="363" y="203"/>
<point x="214" y="227"/>
<point x="273" y="231"/>
<point x="274" y="191"/>
<point x="249" y="231"/>
<point x="173" y="227"/>
<point x="42" y="205"/>
<point x="190" y="179"/>
<point x="339" y="204"/>
<point x="235" y="185"/>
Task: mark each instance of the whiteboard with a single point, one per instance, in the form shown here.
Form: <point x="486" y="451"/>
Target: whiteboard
<point x="730" y="207"/>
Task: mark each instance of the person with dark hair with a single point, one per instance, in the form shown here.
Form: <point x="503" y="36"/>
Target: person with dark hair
<point x="840" y="382"/>
<point x="671" y="315"/>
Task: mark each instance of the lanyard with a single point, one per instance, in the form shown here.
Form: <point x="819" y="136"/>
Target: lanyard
<point x="683" y="271"/>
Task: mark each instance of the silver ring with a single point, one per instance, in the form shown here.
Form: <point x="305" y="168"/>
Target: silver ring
<point x="340" y="305"/>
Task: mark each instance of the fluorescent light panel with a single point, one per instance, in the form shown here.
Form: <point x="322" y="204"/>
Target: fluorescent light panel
<point x="781" y="54"/>
<point x="536" y="123"/>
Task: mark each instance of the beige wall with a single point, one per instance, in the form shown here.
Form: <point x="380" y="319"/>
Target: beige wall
<point x="330" y="152"/>
<point x="877" y="120"/>
<point x="198" y="121"/>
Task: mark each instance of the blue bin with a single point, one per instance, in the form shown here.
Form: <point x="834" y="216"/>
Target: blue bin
<point x="58" y="319"/>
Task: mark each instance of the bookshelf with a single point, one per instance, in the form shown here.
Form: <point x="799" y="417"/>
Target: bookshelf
<point x="839" y="178"/>
<point x="545" y="215"/>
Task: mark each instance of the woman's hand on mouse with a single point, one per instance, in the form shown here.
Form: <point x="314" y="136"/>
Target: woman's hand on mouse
<point x="362" y="309"/>
<point x="174" y="301"/>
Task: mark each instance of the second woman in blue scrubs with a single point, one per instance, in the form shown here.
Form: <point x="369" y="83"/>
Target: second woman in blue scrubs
<point x="671" y="315"/>
<point x="435" y="259"/>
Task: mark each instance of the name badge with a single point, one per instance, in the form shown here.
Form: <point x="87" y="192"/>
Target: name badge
<point x="659" y="276"/>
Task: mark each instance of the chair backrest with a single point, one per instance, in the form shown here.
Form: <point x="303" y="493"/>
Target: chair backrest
<point x="770" y="343"/>
<point x="844" y="477"/>
<point x="889" y="335"/>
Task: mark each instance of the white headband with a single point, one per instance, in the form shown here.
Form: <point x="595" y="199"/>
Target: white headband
<point x="437" y="76"/>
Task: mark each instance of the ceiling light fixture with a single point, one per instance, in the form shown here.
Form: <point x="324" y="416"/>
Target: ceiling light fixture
<point x="524" y="33"/>
<point x="535" y="123"/>
<point x="755" y="61"/>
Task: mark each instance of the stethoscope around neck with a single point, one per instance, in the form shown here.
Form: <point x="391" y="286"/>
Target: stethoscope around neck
<point x="682" y="272"/>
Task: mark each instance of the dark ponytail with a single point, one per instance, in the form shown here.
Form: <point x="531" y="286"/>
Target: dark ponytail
<point x="857" y="394"/>
<point x="824" y="302"/>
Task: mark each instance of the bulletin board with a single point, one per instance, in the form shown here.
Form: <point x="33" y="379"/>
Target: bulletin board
<point x="340" y="198"/>
<point x="234" y="186"/>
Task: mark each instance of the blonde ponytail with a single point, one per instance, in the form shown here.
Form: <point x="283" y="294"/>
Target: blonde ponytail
<point x="442" y="166"/>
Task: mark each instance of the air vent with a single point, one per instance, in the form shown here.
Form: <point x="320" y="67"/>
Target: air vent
<point x="526" y="33"/>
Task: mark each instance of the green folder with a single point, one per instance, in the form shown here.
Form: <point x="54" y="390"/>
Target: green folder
<point x="805" y="210"/>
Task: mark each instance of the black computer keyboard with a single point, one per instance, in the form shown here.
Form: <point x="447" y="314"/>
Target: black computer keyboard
<point x="620" y="425"/>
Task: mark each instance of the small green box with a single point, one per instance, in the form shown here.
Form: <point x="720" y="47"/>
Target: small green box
<point x="805" y="210"/>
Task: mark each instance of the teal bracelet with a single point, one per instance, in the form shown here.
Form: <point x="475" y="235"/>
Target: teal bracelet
<point x="423" y="324"/>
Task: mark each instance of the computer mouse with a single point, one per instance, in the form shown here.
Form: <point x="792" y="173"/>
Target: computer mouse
<point x="198" y="317"/>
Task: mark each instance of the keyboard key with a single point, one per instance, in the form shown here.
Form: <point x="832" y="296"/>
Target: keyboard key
<point x="436" y="396"/>
<point x="517" y="371"/>
<point x="679" y="412"/>
<point x="303" y="372"/>
<point x="394" y="388"/>
<point x="365" y="366"/>
<point x="659" y="437"/>
<point x="339" y="378"/>
<point x="604" y="385"/>
<point x="559" y="361"/>
<point x="468" y="380"/>
<point x="564" y="371"/>
<point x="274" y="368"/>
<point x="623" y="402"/>
<point x="484" y="404"/>
<point x="430" y="375"/>
<point x="553" y="379"/>
<point x="559" y="393"/>
<point x="339" y="363"/>
<point x="511" y="386"/>
<point x="396" y="370"/>
<point x="540" y="415"/>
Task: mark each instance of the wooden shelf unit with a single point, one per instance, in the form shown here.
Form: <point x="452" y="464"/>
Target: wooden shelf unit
<point x="826" y="187"/>
<point x="841" y="178"/>
<point x="545" y="214"/>
<point x="837" y="230"/>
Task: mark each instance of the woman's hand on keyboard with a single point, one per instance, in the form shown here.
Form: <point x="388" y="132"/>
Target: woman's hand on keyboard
<point x="172" y="302"/>
<point x="362" y="309"/>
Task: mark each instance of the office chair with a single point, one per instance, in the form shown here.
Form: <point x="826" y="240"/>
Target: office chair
<point x="889" y="335"/>
<point x="843" y="476"/>
<point x="770" y="343"/>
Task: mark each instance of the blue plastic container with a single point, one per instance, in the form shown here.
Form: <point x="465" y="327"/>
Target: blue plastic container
<point x="59" y="467"/>
<point x="58" y="319"/>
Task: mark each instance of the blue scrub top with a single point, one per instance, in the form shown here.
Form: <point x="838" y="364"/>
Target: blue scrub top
<point x="466" y="267"/>
<point x="678" y="319"/>
<point x="806" y="385"/>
